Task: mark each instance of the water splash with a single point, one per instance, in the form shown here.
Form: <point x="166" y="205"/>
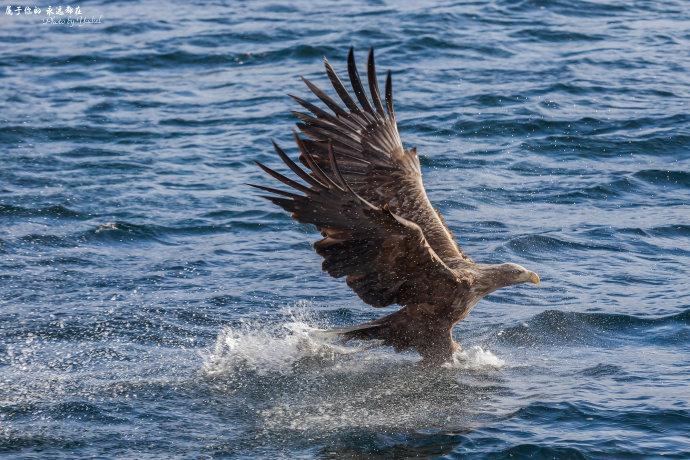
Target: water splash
<point x="263" y="348"/>
<point x="475" y="358"/>
<point x="297" y="377"/>
<point x="270" y="348"/>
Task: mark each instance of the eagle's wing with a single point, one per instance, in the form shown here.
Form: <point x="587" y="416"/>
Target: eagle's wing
<point x="385" y="258"/>
<point x="370" y="153"/>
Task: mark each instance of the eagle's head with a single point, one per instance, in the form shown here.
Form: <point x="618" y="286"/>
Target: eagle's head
<point x="492" y="277"/>
<point x="509" y="274"/>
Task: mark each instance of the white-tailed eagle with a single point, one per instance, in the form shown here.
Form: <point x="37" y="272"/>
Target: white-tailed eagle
<point x="363" y="191"/>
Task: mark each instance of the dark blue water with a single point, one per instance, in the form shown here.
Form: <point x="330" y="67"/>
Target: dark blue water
<point x="152" y="307"/>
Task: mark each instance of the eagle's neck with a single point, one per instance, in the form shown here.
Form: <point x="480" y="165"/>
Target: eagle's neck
<point x="487" y="279"/>
<point x="484" y="281"/>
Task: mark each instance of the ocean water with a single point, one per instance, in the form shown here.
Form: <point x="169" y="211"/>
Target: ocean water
<point x="151" y="306"/>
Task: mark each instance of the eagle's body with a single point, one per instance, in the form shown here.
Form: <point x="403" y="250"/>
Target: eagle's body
<point x="365" y="195"/>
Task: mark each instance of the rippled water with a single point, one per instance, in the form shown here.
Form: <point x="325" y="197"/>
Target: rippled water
<point x="152" y="306"/>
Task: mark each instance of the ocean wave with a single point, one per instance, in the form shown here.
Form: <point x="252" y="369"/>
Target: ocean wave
<point x="543" y="34"/>
<point x="135" y="28"/>
<point x="47" y="240"/>
<point x="57" y="210"/>
<point x="554" y="327"/>
<point x="531" y="450"/>
<point x="109" y="232"/>
<point x="122" y="232"/>
<point x="577" y="8"/>
<point x="16" y="134"/>
<point x="604" y="191"/>
<point x="522" y="126"/>
<point x="541" y="244"/>
<point x="647" y="233"/>
<point x="90" y="152"/>
<point x="82" y="411"/>
<point x="14" y="440"/>
<point x="602" y="370"/>
<point x="681" y="230"/>
<point x="205" y="59"/>
<point x="593" y="147"/>
<point x="589" y="416"/>
<point x="680" y="179"/>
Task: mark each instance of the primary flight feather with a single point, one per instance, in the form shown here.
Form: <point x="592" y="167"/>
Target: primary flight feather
<point x="363" y="191"/>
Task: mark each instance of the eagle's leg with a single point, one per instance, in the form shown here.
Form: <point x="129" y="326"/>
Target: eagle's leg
<point x="438" y="350"/>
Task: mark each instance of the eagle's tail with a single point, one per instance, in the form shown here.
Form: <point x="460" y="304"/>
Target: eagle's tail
<point x="365" y="331"/>
<point x="388" y="329"/>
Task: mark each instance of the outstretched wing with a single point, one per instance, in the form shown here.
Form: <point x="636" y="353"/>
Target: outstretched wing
<point x="385" y="258"/>
<point x="370" y="153"/>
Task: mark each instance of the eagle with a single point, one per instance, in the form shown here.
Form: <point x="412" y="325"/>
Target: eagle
<point x="363" y="190"/>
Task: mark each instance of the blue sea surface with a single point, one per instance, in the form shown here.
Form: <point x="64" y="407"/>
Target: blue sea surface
<point x="152" y="306"/>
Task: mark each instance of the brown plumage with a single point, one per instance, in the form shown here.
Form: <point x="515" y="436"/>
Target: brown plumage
<point x="363" y="191"/>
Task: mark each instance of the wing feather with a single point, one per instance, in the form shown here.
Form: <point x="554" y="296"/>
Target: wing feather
<point x="385" y="258"/>
<point x="356" y="82"/>
<point x="373" y="83"/>
<point x="364" y="138"/>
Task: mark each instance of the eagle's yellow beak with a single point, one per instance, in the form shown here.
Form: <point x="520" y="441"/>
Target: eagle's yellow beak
<point x="534" y="278"/>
